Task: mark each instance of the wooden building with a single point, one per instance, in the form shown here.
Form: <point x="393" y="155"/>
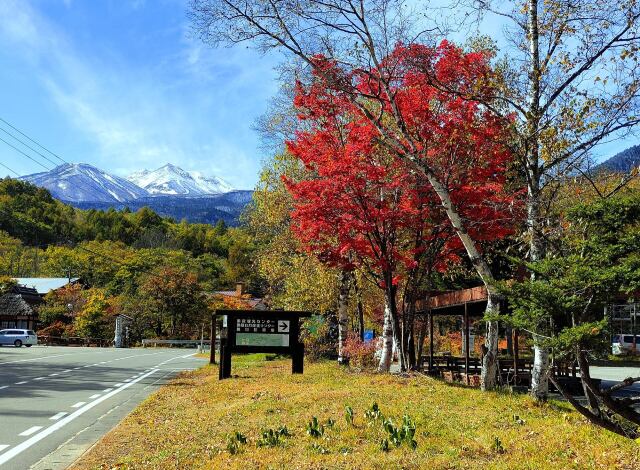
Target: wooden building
<point x="19" y="308"/>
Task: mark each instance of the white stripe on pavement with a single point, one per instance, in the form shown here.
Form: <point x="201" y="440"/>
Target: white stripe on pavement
<point x="30" y="431"/>
<point x="79" y="404"/>
<point x="56" y="417"/>
<point x="23" y="382"/>
<point x="17" y="450"/>
<point x="107" y="390"/>
<point x="3" y="447"/>
<point x="96" y="395"/>
<point x="36" y="358"/>
<point x="4" y="386"/>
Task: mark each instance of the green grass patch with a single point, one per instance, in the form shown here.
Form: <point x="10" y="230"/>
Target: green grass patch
<point x="330" y="418"/>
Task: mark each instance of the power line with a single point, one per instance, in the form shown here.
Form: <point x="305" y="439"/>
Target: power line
<point x="34" y="141"/>
<point x="12" y="171"/>
<point x="29" y="147"/>
<point x="26" y="155"/>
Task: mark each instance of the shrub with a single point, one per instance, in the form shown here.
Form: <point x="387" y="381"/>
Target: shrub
<point x="361" y="355"/>
<point x="318" y="343"/>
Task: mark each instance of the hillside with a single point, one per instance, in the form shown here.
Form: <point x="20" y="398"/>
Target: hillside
<point x="205" y="209"/>
<point x="622" y="162"/>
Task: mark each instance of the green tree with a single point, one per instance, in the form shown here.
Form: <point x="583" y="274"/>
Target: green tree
<point x="175" y="299"/>
<point x="598" y="260"/>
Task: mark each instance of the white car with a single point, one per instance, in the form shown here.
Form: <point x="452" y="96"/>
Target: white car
<point x="18" y="337"/>
<point x="623" y="344"/>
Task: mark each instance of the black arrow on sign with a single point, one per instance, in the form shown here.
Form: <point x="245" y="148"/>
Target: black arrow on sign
<point x="284" y="326"/>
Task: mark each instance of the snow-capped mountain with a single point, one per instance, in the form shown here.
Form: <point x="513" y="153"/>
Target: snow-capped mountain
<point x="172" y="180"/>
<point x="80" y="182"/>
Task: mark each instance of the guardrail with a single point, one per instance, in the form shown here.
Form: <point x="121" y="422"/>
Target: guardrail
<point x="177" y="342"/>
<point x="73" y="341"/>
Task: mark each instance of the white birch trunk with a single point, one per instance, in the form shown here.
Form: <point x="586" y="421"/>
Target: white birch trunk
<point x="489" y="371"/>
<point x="343" y="314"/>
<point x="540" y="373"/>
<point x="387" y="340"/>
<point x="490" y="358"/>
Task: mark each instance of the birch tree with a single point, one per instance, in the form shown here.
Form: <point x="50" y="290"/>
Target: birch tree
<point x="568" y="73"/>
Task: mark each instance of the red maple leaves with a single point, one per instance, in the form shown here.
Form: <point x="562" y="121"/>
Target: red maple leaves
<point x="362" y="202"/>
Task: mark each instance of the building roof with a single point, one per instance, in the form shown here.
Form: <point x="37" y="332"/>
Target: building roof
<point x="45" y="284"/>
<point x="14" y="305"/>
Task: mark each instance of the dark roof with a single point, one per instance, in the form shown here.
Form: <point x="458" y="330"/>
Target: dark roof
<point x="14" y="305"/>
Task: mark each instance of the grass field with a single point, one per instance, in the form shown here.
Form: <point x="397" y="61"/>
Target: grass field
<point x="187" y="424"/>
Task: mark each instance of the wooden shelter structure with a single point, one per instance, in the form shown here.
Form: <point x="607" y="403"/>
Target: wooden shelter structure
<point x="466" y="303"/>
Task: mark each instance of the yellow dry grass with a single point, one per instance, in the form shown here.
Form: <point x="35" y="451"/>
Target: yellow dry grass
<point x="186" y="425"/>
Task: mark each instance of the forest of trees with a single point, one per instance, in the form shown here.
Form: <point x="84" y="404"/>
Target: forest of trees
<point x="150" y="268"/>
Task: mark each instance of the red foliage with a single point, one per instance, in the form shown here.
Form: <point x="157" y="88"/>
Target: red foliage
<point x="361" y="196"/>
<point x="360" y="354"/>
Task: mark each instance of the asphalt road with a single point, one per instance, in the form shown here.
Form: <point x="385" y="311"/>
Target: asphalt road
<point x="55" y="402"/>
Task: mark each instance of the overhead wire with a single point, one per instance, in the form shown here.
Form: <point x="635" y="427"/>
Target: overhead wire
<point x="33" y="140"/>
<point x="25" y="154"/>
<point x="29" y="147"/>
<point x="12" y="171"/>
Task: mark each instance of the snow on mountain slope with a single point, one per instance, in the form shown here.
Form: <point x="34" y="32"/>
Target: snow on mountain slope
<point x="172" y="180"/>
<point x="80" y="182"/>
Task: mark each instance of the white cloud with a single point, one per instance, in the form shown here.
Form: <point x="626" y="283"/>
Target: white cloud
<point x="190" y="108"/>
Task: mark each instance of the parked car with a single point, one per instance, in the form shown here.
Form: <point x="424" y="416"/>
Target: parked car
<point x="624" y="344"/>
<point x="18" y="337"/>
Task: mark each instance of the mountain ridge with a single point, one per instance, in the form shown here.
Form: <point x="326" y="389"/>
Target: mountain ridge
<point x="191" y="195"/>
<point x="172" y="180"/>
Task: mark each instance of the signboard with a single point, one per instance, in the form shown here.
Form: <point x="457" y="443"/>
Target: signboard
<point x="368" y="336"/>
<point x="246" y="331"/>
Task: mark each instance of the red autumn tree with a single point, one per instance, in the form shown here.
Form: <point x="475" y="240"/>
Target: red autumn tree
<point x="362" y="200"/>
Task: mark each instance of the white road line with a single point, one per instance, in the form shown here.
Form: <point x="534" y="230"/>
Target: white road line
<point x="77" y="368"/>
<point x="4" y="386"/>
<point x="107" y="390"/>
<point x="23" y="382"/>
<point x="3" y="447"/>
<point x="68" y="370"/>
<point x="36" y="358"/>
<point x="127" y="380"/>
<point x="30" y="431"/>
<point x="79" y="404"/>
<point x="56" y="417"/>
<point x="117" y="385"/>
<point x="95" y="395"/>
<point x="17" y="450"/>
<point x="54" y="374"/>
<point x="39" y="378"/>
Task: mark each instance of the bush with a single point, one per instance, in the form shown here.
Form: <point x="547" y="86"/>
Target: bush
<point x="317" y="340"/>
<point x="55" y="329"/>
<point x="361" y="355"/>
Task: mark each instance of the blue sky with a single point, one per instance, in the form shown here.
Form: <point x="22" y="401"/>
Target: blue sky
<point x="121" y="85"/>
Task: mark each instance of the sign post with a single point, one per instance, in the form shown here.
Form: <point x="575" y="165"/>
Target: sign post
<point x="260" y="331"/>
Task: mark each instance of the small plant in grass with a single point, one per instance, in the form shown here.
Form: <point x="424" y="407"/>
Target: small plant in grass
<point x="374" y="413"/>
<point x="319" y="449"/>
<point x="402" y="434"/>
<point x="497" y="446"/>
<point x="518" y="419"/>
<point x="330" y="422"/>
<point x="234" y="442"/>
<point x="348" y="415"/>
<point x="384" y="445"/>
<point x="314" y="428"/>
<point x="271" y="438"/>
